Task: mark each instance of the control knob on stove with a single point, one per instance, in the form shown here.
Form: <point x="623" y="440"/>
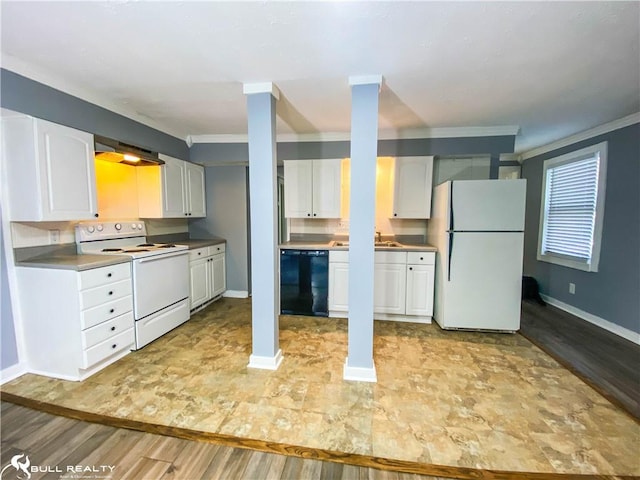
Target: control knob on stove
<point x="140" y="226"/>
<point x="118" y="226"/>
<point x="90" y="229"/>
<point x="99" y="227"/>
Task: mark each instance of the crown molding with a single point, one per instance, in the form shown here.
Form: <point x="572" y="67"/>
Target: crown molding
<point x="264" y="87"/>
<point x="37" y="74"/>
<point x="450" y="132"/>
<point x="365" y="80"/>
<point x="436" y="132"/>
<point x="585" y="135"/>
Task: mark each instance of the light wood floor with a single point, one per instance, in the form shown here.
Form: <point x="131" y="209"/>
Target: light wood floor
<point x="59" y="442"/>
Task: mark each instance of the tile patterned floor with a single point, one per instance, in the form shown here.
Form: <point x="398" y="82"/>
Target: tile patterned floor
<point x="489" y="401"/>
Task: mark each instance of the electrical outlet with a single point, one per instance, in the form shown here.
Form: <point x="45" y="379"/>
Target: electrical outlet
<point x="572" y="288"/>
<point x="54" y="236"/>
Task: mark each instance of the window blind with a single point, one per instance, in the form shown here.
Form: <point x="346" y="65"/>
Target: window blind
<point x="571" y="197"/>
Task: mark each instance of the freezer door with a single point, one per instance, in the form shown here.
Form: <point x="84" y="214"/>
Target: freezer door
<point x="481" y="282"/>
<point x="487" y="205"/>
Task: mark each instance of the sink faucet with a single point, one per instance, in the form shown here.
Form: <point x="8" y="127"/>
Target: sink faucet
<point x="378" y="236"/>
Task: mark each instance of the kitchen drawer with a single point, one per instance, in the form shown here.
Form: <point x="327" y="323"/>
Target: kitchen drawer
<point x="421" y="258"/>
<point x="338" y="256"/>
<point x="94" y="335"/>
<point x="96" y="296"/>
<point x="101" y="276"/>
<point x="198" y="253"/>
<point x="110" y="346"/>
<point x="106" y="311"/>
<point x="390" y="257"/>
<point x="215" y="249"/>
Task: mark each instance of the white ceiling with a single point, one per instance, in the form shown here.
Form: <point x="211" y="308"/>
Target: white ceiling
<point x="551" y="68"/>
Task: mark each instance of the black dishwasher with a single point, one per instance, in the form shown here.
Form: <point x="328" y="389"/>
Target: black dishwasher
<point x="304" y="282"/>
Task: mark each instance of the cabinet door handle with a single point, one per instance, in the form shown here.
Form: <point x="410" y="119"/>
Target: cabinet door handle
<point x="410" y="268"/>
<point x="113" y="329"/>
<point x="395" y="214"/>
<point x="95" y="215"/>
<point x="109" y="274"/>
<point x="421" y="258"/>
<point x="110" y="292"/>
<point x="114" y="345"/>
<point x="308" y="214"/>
<point x="112" y="310"/>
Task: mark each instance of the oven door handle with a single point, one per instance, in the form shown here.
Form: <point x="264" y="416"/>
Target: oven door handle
<point x="162" y="256"/>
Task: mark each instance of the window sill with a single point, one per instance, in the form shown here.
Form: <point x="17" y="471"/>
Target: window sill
<point x="567" y="262"/>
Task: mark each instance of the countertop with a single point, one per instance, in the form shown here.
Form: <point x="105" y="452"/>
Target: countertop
<point x="72" y="261"/>
<point x="194" y="243"/>
<point x="315" y="245"/>
<point x="65" y="257"/>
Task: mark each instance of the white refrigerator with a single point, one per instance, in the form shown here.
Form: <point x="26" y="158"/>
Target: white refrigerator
<point x="478" y="229"/>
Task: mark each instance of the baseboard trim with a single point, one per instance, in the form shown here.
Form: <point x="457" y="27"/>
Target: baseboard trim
<point x="12" y="372"/>
<point x="593" y="319"/>
<point x="359" y="374"/>
<point x="236" y="294"/>
<point x="266" y="363"/>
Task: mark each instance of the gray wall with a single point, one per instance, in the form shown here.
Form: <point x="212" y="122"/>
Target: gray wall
<point x="24" y="95"/>
<point x="9" y="351"/>
<point x="211" y="153"/>
<point x="613" y="292"/>
<point x="226" y="189"/>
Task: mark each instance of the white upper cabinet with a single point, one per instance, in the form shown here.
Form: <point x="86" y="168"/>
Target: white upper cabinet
<point x="196" y="203"/>
<point x="50" y="170"/>
<point x="312" y="188"/>
<point x="173" y="187"/>
<point x="173" y="190"/>
<point x="412" y="187"/>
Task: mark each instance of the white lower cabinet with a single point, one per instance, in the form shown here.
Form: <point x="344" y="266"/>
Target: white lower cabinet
<point x="389" y="282"/>
<point x="338" y="282"/>
<point x="403" y="285"/>
<point x="208" y="274"/>
<point x="78" y="322"/>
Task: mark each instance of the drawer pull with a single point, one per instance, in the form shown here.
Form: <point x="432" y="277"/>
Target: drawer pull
<point x="114" y="345"/>
<point x="113" y="329"/>
<point x="109" y="274"/>
<point x="110" y="292"/>
<point x="410" y="268"/>
<point x="112" y="310"/>
<point x="421" y="258"/>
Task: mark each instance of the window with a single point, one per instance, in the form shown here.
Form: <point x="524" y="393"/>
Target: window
<point x="572" y="208"/>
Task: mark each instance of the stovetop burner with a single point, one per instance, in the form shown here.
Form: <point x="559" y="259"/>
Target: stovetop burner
<point x="124" y="237"/>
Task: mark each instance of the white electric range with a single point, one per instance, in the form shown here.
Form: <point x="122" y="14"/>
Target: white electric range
<point x="159" y="272"/>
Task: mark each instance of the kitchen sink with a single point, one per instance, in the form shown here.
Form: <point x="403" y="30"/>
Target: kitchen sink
<point x="387" y="244"/>
<point x="336" y="243"/>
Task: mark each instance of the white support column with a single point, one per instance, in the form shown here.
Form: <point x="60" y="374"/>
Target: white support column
<point x="364" y="150"/>
<point x="261" y="106"/>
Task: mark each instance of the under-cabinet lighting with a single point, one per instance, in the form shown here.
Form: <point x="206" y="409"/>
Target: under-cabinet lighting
<point x="131" y="158"/>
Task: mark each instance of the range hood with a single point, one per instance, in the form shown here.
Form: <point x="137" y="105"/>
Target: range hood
<point x="120" y="152"/>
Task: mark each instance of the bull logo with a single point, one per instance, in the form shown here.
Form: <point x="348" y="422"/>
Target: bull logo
<point x="22" y="468"/>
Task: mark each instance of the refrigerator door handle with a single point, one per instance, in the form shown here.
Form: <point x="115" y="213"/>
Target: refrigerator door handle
<point x="450" y="254"/>
<point x="451" y="207"/>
